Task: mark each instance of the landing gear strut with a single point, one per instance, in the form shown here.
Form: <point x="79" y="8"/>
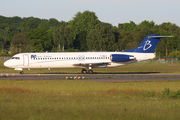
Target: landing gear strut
<point x="90" y="71"/>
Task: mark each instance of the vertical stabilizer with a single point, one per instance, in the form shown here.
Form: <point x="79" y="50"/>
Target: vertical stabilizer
<point x="148" y="44"/>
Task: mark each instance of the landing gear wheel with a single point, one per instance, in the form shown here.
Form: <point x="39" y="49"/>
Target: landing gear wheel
<point x="90" y="71"/>
<point x="84" y="71"/>
<point x="21" y="72"/>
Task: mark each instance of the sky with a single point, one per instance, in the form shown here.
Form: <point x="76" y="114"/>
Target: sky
<point x="110" y="11"/>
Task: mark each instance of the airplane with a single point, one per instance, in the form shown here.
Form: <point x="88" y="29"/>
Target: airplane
<point x="85" y="60"/>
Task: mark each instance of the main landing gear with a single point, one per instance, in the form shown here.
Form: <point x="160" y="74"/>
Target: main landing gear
<point x="84" y="71"/>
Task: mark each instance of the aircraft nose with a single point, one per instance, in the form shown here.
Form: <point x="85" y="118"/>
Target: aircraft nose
<point x="6" y="63"/>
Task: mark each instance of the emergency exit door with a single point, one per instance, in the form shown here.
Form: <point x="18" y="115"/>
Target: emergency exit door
<point x="26" y="60"/>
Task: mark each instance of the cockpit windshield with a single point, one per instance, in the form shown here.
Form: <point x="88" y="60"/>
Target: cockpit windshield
<point x="18" y="58"/>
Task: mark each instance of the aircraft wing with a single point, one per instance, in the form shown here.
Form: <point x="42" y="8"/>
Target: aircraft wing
<point x="91" y="64"/>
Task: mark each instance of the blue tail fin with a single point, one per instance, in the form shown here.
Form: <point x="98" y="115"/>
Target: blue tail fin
<point x="148" y="44"/>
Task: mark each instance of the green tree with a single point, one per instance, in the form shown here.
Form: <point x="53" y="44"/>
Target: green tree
<point x="139" y="34"/>
<point x="62" y="38"/>
<point x="53" y="22"/>
<point x="127" y="26"/>
<point x="125" y="37"/>
<point x="93" y="41"/>
<point x="174" y="54"/>
<point x="81" y="24"/>
<point x="19" y="42"/>
<point x="102" y="38"/>
<point x="40" y="39"/>
<point x="147" y="23"/>
<point x="31" y="22"/>
<point x="2" y="42"/>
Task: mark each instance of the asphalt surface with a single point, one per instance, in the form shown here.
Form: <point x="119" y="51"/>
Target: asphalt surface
<point x="91" y="77"/>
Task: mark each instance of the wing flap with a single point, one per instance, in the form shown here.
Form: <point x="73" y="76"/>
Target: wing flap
<point x="90" y="64"/>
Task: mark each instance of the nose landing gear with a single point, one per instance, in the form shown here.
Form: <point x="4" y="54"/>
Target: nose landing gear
<point x="21" y="72"/>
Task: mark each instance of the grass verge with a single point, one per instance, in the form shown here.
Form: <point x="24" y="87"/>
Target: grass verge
<point x="81" y="100"/>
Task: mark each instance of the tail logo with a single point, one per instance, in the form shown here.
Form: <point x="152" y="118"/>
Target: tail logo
<point x="147" y="45"/>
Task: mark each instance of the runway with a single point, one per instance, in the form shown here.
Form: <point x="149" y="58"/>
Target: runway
<point x="91" y="77"/>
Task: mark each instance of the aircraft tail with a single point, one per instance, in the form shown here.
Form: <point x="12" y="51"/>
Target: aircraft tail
<point x="148" y="44"/>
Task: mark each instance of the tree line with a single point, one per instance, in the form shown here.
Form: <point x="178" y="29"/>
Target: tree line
<point x="85" y="32"/>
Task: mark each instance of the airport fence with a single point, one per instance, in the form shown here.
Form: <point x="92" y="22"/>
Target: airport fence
<point x="161" y="61"/>
<point x="4" y="58"/>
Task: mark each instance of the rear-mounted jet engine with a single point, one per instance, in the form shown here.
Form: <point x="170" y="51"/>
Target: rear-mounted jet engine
<point x="121" y="58"/>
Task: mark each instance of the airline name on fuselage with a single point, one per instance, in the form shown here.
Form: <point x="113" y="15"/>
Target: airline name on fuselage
<point x="35" y="56"/>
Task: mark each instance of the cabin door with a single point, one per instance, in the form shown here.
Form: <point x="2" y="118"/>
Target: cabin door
<point x="26" y="60"/>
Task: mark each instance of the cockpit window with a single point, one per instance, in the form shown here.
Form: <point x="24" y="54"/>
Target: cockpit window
<point x="15" y="58"/>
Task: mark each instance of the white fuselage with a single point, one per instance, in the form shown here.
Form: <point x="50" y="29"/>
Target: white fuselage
<point x="71" y="60"/>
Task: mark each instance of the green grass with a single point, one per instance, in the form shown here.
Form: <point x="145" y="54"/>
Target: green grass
<point x="131" y="68"/>
<point x="67" y="100"/>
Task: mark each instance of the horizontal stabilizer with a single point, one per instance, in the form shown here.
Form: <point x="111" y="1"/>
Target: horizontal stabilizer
<point x="159" y="36"/>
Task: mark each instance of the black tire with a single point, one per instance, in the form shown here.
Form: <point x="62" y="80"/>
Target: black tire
<point x="90" y="71"/>
<point x="21" y="72"/>
<point x="84" y="71"/>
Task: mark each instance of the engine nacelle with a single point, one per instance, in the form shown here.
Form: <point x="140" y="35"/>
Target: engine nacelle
<point x="121" y="58"/>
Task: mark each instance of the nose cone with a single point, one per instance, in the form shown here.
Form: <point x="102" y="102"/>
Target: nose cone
<point x="6" y="63"/>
